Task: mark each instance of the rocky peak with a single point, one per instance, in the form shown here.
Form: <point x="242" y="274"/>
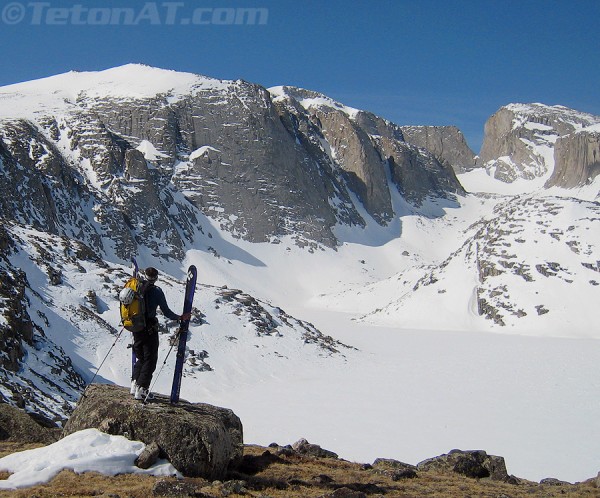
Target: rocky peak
<point x="369" y="150"/>
<point x="520" y="139"/>
<point x="446" y="143"/>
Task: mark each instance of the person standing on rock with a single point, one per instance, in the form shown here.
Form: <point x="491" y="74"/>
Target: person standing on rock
<point x="145" y="342"/>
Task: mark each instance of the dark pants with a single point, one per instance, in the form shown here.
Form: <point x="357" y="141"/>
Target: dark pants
<point x="145" y="347"/>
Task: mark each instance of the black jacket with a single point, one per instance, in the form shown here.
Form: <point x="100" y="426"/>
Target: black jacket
<point x="155" y="298"/>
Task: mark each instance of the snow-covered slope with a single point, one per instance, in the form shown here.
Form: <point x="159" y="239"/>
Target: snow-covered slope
<point x="66" y="92"/>
<point x="70" y="306"/>
<point x="529" y="267"/>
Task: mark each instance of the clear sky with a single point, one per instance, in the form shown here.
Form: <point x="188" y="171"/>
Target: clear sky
<point x="411" y="61"/>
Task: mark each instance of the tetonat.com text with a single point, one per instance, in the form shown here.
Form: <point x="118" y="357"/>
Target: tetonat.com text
<point x="149" y="13"/>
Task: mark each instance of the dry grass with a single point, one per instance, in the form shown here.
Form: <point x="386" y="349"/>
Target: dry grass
<point x="265" y="474"/>
<point x="8" y="447"/>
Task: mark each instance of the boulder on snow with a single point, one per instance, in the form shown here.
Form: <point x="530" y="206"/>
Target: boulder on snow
<point x="148" y="457"/>
<point x="200" y="440"/>
<point x="474" y="463"/>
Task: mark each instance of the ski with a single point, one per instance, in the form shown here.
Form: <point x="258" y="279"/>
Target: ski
<point x="190" y="287"/>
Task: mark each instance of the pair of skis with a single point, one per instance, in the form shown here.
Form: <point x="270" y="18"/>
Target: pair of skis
<point x="190" y="287"/>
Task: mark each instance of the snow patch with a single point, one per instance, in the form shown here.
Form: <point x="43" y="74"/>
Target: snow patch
<point x="151" y="153"/>
<point x="85" y="451"/>
<point x="202" y="151"/>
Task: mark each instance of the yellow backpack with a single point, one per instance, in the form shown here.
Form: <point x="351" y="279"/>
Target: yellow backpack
<point x="133" y="309"/>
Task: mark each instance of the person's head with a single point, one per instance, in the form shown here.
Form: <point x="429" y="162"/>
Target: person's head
<point x="151" y="274"/>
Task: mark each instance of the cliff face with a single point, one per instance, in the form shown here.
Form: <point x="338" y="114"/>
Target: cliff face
<point x="368" y="152"/>
<point x="520" y="139"/>
<point x="446" y="143"/>
<point x="577" y="158"/>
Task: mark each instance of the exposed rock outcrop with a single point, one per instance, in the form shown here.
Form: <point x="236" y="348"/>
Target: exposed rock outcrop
<point x="17" y="426"/>
<point x="35" y="374"/>
<point x="473" y="463"/>
<point x="519" y="142"/>
<point x="577" y="158"/>
<point x="200" y="440"/>
<point x="303" y="447"/>
<point x="446" y="143"/>
<point x="367" y="149"/>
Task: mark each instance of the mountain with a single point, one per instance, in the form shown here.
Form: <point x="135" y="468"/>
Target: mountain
<point x="555" y="144"/>
<point x="149" y="162"/>
<point x="183" y="147"/>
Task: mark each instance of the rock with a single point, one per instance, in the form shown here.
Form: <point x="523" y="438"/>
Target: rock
<point x="395" y="469"/>
<point x="148" y="457"/>
<point x="303" y="447"/>
<point x="359" y="159"/>
<point x="234" y="487"/>
<point x="394" y="464"/>
<point x="475" y="463"/>
<point x="511" y="479"/>
<point x="16" y="425"/>
<point x="551" y="481"/>
<point x="398" y="475"/>
<point x="178" y="488"/>
<point x="345" y="493"/>
<point x="200" y="440"/>
<point x="576" y="158"/>
<point x="446" y="143"/>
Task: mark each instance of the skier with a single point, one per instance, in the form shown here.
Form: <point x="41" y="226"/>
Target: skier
<point x="145" y="342"/>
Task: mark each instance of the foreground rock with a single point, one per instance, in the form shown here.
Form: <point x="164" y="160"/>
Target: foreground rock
<point x="200" y="440"/>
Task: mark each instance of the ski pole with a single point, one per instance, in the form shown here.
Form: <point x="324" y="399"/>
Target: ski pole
<point x="98" y="369"/>
<point x="158" y="374"/>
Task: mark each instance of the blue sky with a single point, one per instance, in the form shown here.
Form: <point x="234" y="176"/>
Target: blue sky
<point x="411" y="61"/>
